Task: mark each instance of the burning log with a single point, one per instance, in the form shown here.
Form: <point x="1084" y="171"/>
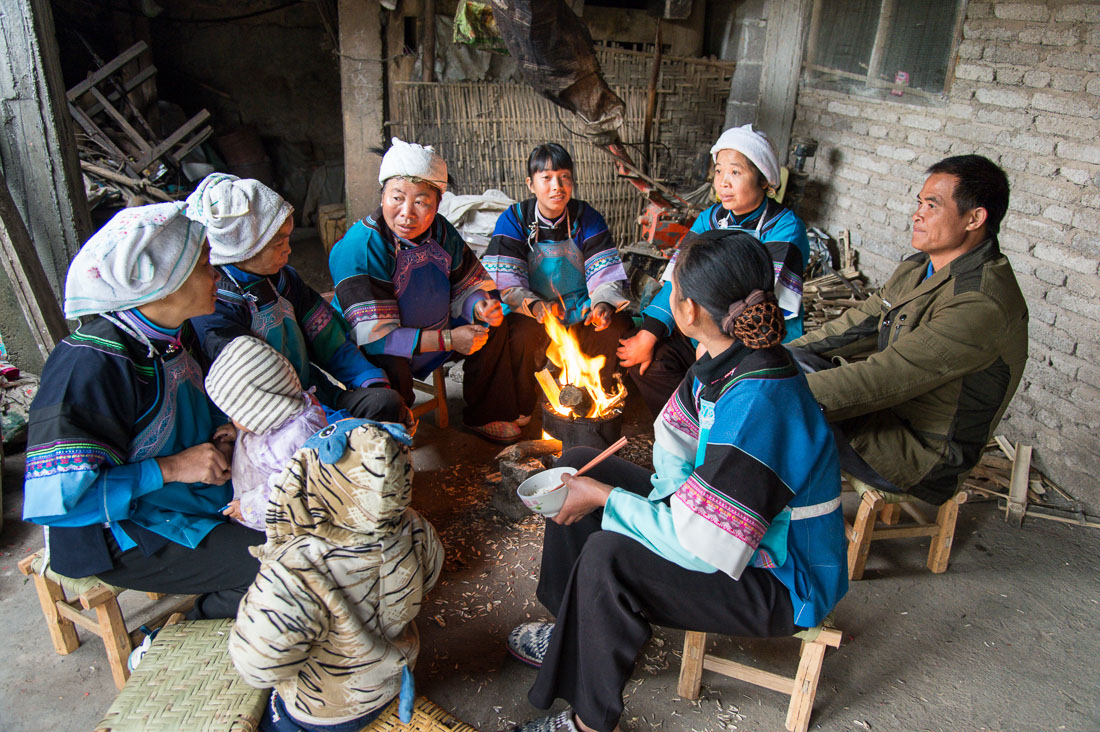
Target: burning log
<point x="577" y="399"/>
<point x="550" y="387"/>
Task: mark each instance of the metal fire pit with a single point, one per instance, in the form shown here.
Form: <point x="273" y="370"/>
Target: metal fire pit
<point x="597" y="432"/>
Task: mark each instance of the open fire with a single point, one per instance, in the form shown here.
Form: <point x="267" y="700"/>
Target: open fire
<point x="578" y="390"/>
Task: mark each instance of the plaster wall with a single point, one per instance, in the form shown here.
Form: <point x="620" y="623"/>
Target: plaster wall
<point x="1026" y="94"/>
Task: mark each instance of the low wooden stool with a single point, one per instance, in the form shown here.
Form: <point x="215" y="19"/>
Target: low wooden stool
<point x="875" y="505"/>
<point x="186" y="681"/>
<point x="63" y="615"/>
<point x="802" y="688"/>
<point x="438" y="402"/>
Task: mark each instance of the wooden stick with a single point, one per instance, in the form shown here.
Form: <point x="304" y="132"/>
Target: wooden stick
<point x="617" y="445"/>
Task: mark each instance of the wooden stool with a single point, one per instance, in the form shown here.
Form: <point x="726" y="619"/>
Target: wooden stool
<point x="875" y="505"/>
<point x="63" y="615"/>
<point x="186" y="681"/>
<point x="802" y="688"/>
<point x="438" y="401"/>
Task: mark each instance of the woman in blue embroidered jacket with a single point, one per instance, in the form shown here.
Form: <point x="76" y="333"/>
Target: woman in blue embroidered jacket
<point x="416" y="296"/>
<point x="552" y="254"/>
<point x="746" y="170"/>
<point x="248" y="226"/>
<point x="738" y="532"/>
<point x="120" y="463"/>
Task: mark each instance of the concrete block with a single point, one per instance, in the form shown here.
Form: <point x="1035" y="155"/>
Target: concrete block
<point x="937" y="143"/>
<point x="1009" y="119"/>
<point x="1079" y="152"/>
<point x="880" y="113"/>
<point x="1060" y="37"/>
<point x="1050" y="275"/>
<point x="503" y="491"/>
<point x="1079" y="305"/>
<point x="1015" y="53"/>
<point x="959" y="111"/>
<point x="1021" y="11"/>
<point x="927" y="122"/>
<point x="1042" y="167"/>
<point x="1077" y="61"/>
<point x="1082" y="330"/>
<point x="1084" y="286"/>
<point x="1065" y="364"/>
<point x="1071" y="105"/>
<point x="1036" y="229"/>
<point x="877" y="130"/>
<point x="1042" y="313"/>
<point x="1093" y="86"/>
<point x="903" y="154"/>
<point x="853" y="174"/>
<point x="1076" y="175"/>
<point x="849" y="110"/>
<point x="1033" y="144"/>
<point x="1056" y="124"/>
<point x="1017" y="162"/>
<point x="978" y="10"/>
<point x="1066" y="81"/>
<point x="1086" y="242"/>
<point x="972" y="132"/>
<point x="971" y="49"/>
<point x="1087" y="220"/>
<point x="1064" y="258"/>
<point x="1012" y="75"/>
<point x="1001" y="97"/>
<point x="974" y="72"/>
<point x="1089" y="12"/>
<point x="1037" y="79"/>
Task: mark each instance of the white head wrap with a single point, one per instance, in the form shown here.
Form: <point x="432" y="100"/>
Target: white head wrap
<point x="409" y="160"/>
<point x="240" y="216"/>
<point x="143" y="254"/>
<point x="755" y="146"/>
<point x="254" y="384"/>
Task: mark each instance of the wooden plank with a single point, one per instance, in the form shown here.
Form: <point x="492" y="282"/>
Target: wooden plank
<point x="28" y="278"/>
<point x="138" y="183"/>
<point x="691" y="667"/>
<point x="887" y="12"/>
<point x="903" y="532"/>
<point x="106" y="70"/>
<point x="93" y="131"/>
<point x="122" y="122"/>
<point x="361" y="99"/>
<point x="1006" y="446"/>
<point x="734" y="670"/>
<point x="169" y="142"/>
<point x="128" y="86"/>
<point x="779" y="78"/>
<point x="1016" y="507"/>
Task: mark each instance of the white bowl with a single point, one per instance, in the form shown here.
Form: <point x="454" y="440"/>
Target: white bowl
<point x="539" y="494"/>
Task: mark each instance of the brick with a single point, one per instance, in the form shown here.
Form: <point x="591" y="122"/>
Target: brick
<point x="1075" y="304"/>
<point x="1068" y="82"/>
<point x="1041" y="168"/>
<point x="1016" y="54"/>
<point x="1036" y="79"/>
<point x="1066" y="364"/>
<point x="978" y="10"/>
<point x="1059" y="37"/>
<point x="1042" y="313"/>
<point x="1058" y="214"/>
<point x="869" y="163"/>
<point x="939" y="143"/>
<point x="1085" y="11"/>
<point x="1064" y="258"/>
<point x="1033" y="144"/>
<point x="1053" y="124"/>
<point x="1076" y="106"/>
<point x="1011" y="161"/>
<point x="1093" y="86"/>
<point x="1078" y="152"/>
<point x="896" y="153"/>
<point x="970" y="49"/>
<point x="959" y="110"/>
<point x="1075" y="61"/>
<point x="1086" y="286"/>
<point x="846" y="109"/>
<point x="973" y="132"/>
<point x="1076" y="175"/>
<point x="989" y="31"/>
<point x="1054" y="339"/>
<point x="1086" y="241"/>
<point x="854" y="175"/>
<point x="1082" y="330"/>
<point x="1010" y="75"/>
<point x="1087" y="220"/>
<point x="1009" y="119"/>
<point x="1020" y="11"/>
<point x="974" y="72"/>
<point x="925" y="122"/>
<point x="877" y="130"/>
<point x="1001" y="97"/>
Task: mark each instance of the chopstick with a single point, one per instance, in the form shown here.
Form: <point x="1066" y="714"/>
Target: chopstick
<point x="614" y="448"/>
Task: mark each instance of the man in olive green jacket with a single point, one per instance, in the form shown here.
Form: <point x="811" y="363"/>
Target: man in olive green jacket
<point x="947" y="336"/>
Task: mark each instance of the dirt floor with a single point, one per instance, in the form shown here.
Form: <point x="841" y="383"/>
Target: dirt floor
<point x="1005" y="640"/>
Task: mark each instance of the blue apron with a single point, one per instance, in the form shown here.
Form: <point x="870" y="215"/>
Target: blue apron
<point x="422" y="284"/>
<point x="181" y="512"/>
<point x="276" y="324"/>
<point x="556" y="272"/>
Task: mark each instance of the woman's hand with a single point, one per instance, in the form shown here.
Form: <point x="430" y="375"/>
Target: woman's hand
<point x="467" y="339"/>
<point x="225" y="433"/>
<point x="203" y="463"/>
<point x="599" y="317"/>
<point x="585" y="496"/>
<point x="233" y="510"/>
<point x="540" y="309"/>
<point x="637" y="350"/>
<point x="489" y="311"/>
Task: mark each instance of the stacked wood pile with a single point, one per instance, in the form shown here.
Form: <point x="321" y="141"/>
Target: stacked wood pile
<point x="832" y="291"/>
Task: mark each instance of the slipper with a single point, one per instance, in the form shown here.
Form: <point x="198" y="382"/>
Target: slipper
<point x="560" y="722"/>
<point x="528" y="642"/>
<point x="502" y="433"/>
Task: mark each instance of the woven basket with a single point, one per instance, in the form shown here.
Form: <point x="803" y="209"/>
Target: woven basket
<point x="427" y="717"/>
<point x="187" y="682"/>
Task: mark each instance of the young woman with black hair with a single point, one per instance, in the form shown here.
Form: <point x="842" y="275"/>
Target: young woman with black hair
<point x="739" y="531"/>
<point x="553" y="255"/>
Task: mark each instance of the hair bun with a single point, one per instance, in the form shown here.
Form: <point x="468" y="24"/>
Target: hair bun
<point x="756" y="321"/>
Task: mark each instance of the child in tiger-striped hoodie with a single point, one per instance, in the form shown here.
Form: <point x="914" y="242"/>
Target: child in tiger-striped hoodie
<point x="328" y="621"/>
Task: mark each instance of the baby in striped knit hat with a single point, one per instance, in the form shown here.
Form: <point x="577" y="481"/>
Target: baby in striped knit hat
<point x="258" y="389"/>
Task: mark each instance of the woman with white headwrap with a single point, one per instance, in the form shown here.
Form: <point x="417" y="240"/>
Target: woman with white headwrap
<point x="746" y="171"/>
<point x="248" y="226"/>
<point x="416" y="296"/>
<point x="121" y="464"/>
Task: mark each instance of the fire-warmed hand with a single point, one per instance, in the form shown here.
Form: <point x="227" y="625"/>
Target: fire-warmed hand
<point x="599" y="317"/>
<point x="467" y="339"/>
<point x="203" y="463"/>
<point x="489" y="311"/>
<point x="637" y="350"/>
<point x="585" y="496"/>
<point x="542" y="308"/>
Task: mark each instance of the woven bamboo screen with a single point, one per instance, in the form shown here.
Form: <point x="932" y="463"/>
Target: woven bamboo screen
<point x="486" y="130"/>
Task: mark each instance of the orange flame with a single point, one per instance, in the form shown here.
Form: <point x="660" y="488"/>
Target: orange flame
<point x="579" y="370"/>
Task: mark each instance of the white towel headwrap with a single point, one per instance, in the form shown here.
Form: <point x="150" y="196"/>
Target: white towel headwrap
<point x="240" y="215"/>
<point x="143" y="254"/>
<point x="755" y="146"/>
<point x="409" y="160"/>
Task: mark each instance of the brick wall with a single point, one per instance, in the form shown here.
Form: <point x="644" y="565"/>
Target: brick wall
<point x="1027" y="95"/>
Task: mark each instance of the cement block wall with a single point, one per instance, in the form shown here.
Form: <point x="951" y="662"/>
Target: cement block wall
<point x="1027" y="95"/>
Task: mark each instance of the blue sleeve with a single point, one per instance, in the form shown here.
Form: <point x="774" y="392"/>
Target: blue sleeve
<point x="228" y="321"/>
<point x="658" y="314"/>
<point x="650" y="524"/>
<point x="91" y="496"/>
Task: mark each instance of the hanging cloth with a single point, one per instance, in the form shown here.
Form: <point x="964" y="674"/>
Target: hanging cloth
<point x="556" y="270"/>
<point x="422" y="283"/>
